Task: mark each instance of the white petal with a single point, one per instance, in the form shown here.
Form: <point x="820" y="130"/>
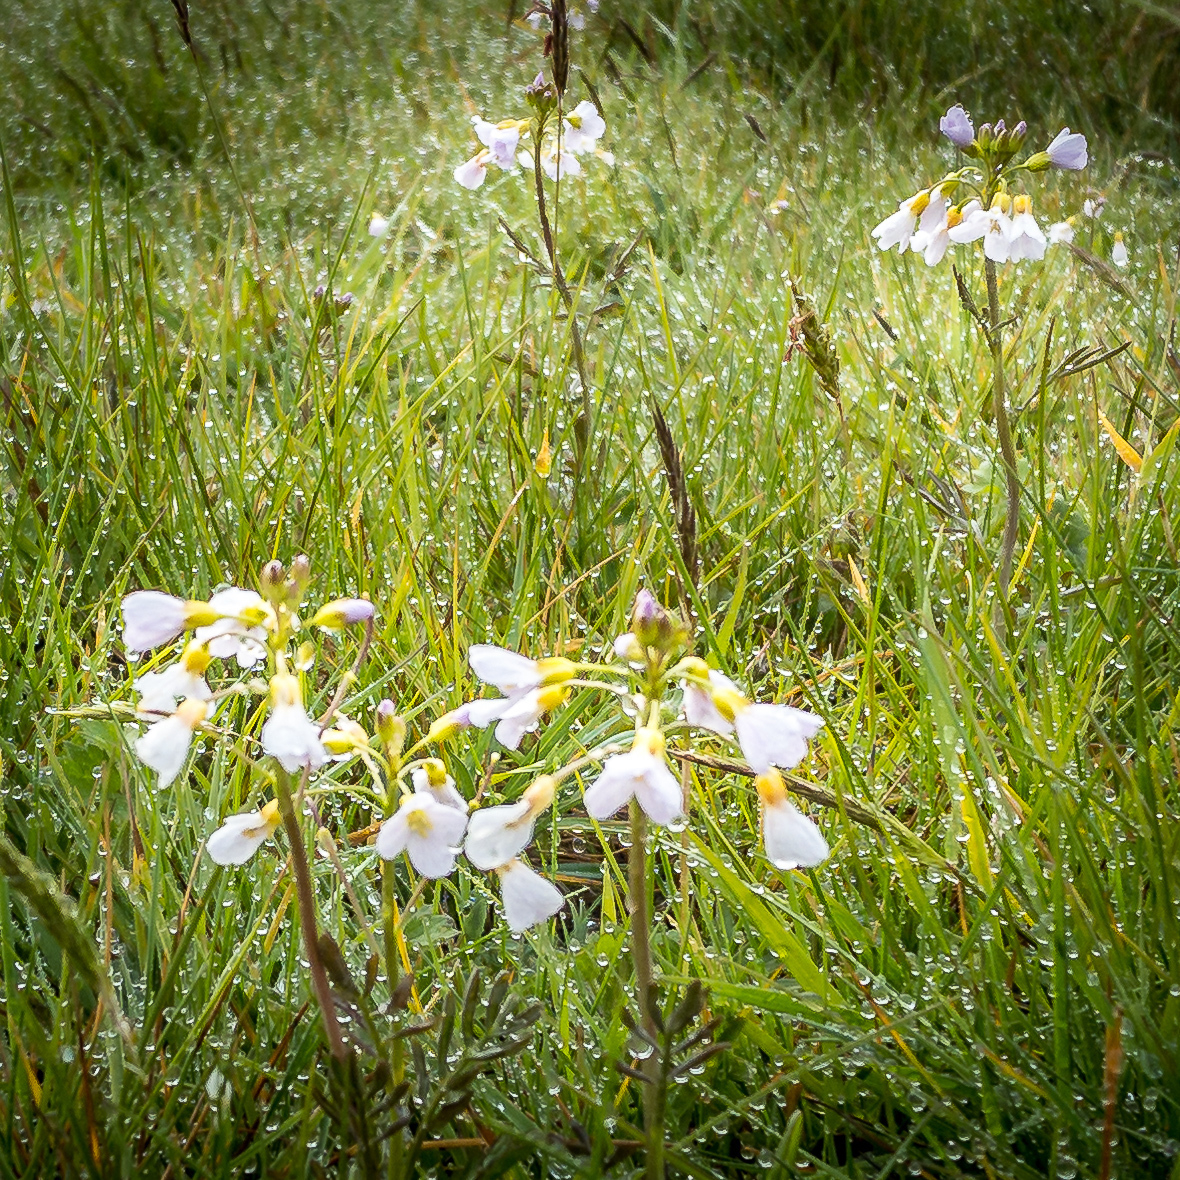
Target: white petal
<point x="613" y="787"/>
<point x="528" y="897"/>
<point x="699" y="710"/>
<point x="520" y="718"/>
<point x="164" y="747"/>
<point x="497" y="834"/>
<point x="471" y="173"/>
<point x="151" y="618"/>
<point x="238" y="838"/>
<point x="775" y="735"/>
<point x="160" y="691"/>
<point x="293" y="738"/>
<point x="391" y="839"/>
<point x="792" y="840"/>
<point x="482" y="713"/>
<point x="509" y="671"/>
<point x="659" y="793"/>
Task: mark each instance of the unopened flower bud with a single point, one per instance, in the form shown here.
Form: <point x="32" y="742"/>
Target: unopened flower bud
<point x="391" y="729"/>
<point x="450" y="723"/>
<point x="341" y="613"/>
<point x="1038" y="162"/>
<point x="999" y="128"/>
<point x="985" y="137"/>
<point x="653" y="626"/>
<point x="301" y="573"/>
<point x="541" y="96"/>
<point x="270" y="581"/>
<point x="305" y="656"/>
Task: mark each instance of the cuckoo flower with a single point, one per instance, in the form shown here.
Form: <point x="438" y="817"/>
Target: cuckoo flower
<point x="642" y="773"/>
<point x="956" y="125"/>
<point x="241" y="835"/>
<point x="164" y="746"/>
<point x="152" y="618"/>
<point x="244" y="621"/>
<point x="428" y="831"/>
<point x="792" y="840"/>
<point x="497" y="834"/>
<point x="289" y="734"/>
<point x="528" y="897"/>
<point x="159" y="691"/>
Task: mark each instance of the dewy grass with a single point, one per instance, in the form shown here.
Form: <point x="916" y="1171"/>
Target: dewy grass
<point x="983" y="977"/>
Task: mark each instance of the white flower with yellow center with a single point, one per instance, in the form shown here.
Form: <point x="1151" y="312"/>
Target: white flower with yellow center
<point x="642" y="773"/>
<point x="428" y="831"/>
<point x="1026" y="240"/>
<point x="241" y="835"/>
<point x="558" y="165"/>
<point x="583" y="128"/>
<point x="341" y="613"/>
<point x="289" y="734"/>
<point x="1118" y="252"/>
<point x="898" y="228"/>
<point x="792" y="841"/>
<point x="527" y="896"/>
<point x="501" y="140"/>
<point x="769" y="735"/>
<point x="932" y="243"/>
<point x="1061" y="232"/>
<point x="152" y="618"/>
<point x="992" y="225"/>
<point x="495" y="835"/>
<point x="432" y="777"/>
<point x="470" y="174"/>
<point x="244" y="620"/>
<point x="164" y="746"/>
<point x="531" y="687"/>
<point x="160" y="691"/>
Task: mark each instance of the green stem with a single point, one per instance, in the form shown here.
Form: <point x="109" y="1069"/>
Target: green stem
<point x="1003" y="431"/>
<point x="653" y="1106"/>
<point x="319" y="978"/>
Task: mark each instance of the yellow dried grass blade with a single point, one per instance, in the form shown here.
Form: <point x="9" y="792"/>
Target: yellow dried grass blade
<point x="1126" y="452"/>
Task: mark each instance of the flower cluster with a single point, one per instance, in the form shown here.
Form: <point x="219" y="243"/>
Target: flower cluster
<point x="770" y="736"/>
<point x="976" y="203"/>
<point x="560" y="141"/>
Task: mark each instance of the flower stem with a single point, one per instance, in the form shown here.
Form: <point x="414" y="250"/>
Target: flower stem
<point x="1003" y="430"/>
<point x="319" y="978"/>
<point x="582" y="436"/>
<point x="653" y="1105"/>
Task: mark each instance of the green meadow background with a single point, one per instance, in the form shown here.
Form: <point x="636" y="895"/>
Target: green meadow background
<point x="207" y="362"/>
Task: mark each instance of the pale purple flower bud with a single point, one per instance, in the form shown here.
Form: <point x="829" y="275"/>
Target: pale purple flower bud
<point x="957" y="127"/>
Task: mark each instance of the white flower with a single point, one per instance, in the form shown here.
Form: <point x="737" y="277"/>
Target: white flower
<point x="497" y="834"/>
<point x="429" y="831"/>
<point x="557" y="166"/>
<point x="159" y="691"/>
<point x="432" y="778"/>
<point x="641" y="773"/>
<point x="341" y="613"/>
<point x="289" y="734"/>
<point x="470" y="173"/>
<point x="627" y="647"/>
<point x="775" y="735"/>
<point x="501" y="140"/>
<point x="1025" y="237"/>
<point x="378" y="226"/>
<point x="528" y="897"/>
<point x="240" y="632"/>
<point x="792" y="840"/>
<point x="1068" y="150"/>
<point x="992" y="225"/>
<point x="152" y="618"/>
<point x="1118" y="252"/>
<point x="1059" y="232"/>
<point x="514" y="674"/>
<point x="770" y="735"/>
<point x="932" y="241"/>
<point x="240" y="836"/>
<point x="898" y="228"/>
<point x="164" y="746"/>
<point x="1092" y="206"/>
<point x="583" y="128"/>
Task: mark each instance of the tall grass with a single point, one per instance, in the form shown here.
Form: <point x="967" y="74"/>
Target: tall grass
<point x="983" y="980"/>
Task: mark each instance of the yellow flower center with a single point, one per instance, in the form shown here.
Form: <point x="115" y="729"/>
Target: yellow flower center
<point x="770" y="788"/>
<point x="728" y="702"/>
<point x="192" y="712"/>
<point x="419" y="822"/>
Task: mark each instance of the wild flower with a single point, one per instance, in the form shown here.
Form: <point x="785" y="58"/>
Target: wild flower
<point x="289" y="734"/>
<point x="791" y="839"/>
<point x="428" y="831"/>
<point x="164" y="746"/>
<point x="1060" y="232"/>
<point x="1118" y="252"/>
<point x="243" y="622"/>
<point x="642" y="773"/>
<point x="527" y="896"/>
<point x="242" y="835"/>
<point x="160" y="691"/>
<point x="152" y="618"/>
<point x="495" y="835"/>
